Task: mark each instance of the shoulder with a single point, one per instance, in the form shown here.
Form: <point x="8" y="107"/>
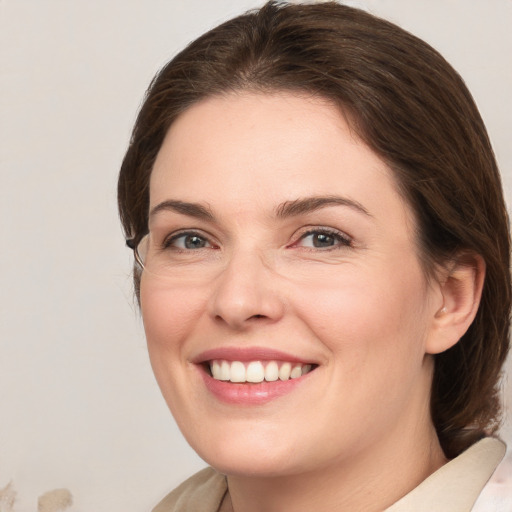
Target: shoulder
<point x="455" y="486"/>
<point x="203" y="491"/>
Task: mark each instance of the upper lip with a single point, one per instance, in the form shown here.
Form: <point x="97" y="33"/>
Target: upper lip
<point x="245" y="354"/>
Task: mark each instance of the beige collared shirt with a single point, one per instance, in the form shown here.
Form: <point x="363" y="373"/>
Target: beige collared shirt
<point x="452" y="488"/>
<point x="455" y="486"/>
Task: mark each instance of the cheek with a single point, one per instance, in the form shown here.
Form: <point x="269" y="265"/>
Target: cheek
<point x="368" y="313"/>
<point x="375" y="329"/>
<point x="169" y="315"/>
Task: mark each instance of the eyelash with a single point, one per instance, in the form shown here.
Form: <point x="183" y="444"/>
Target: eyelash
<point x="167" y="243"/>
<point x="342" y="240"/>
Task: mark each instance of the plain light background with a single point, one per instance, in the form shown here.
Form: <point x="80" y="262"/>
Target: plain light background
<point x="79" y="407"/>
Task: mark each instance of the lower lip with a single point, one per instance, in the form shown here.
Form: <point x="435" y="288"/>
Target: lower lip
<point x="248" y="393"/>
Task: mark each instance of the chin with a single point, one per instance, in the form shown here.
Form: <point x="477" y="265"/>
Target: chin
<point x="261" y="466"/>
<point x="246" y="455"/>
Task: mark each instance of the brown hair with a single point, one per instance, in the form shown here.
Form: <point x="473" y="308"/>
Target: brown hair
<point x="410" y="107"/>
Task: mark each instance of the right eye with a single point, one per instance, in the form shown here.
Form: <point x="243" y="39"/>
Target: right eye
<point x="187" y="241"/>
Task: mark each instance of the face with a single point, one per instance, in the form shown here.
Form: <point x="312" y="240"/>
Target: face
<point x="285" y="305"/>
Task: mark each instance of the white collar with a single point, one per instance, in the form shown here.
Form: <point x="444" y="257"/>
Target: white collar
<point x="455" y="486"/>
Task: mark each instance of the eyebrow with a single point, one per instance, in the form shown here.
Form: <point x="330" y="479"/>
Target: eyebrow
<point x="311" y="204"/>
<point x="195" y="210"/>
<point x="284" y="210"/>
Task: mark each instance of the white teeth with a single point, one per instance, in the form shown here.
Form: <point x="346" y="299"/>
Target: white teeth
<point x="306" y="369"/>
<point x="284" y="371"/>
<point x="271" y="372"/>
<point x="224" y="371"/>
<point x="296" y="372"/>
<point x="237" y="372"/>
<point x="215" y="368"/>
<point x="257" y="371"/>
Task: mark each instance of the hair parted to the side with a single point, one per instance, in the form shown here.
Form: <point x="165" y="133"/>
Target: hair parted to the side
<point x="410" y="107"/>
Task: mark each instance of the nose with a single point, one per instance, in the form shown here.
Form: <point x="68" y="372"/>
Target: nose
<point x="246" y="292"/>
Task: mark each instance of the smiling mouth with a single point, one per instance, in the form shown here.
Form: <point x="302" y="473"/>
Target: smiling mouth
<point x="254" y="372"/>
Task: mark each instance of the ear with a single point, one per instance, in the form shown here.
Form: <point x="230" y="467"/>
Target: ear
<point x="460" y="285"/>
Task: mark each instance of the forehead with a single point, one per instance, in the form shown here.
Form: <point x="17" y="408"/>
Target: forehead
<point x="251" y="150"/>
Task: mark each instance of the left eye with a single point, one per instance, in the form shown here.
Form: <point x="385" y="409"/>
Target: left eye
<point x="323" y="239"/>
<point x="188" y="241"/>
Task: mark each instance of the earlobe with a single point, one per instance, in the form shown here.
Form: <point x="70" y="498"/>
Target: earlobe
<point x="461" y="290"/>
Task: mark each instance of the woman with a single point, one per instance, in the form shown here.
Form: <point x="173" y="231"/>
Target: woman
<point x="322" y="265"/>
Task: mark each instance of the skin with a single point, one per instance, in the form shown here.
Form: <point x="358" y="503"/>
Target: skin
<point x="356" y="434"/>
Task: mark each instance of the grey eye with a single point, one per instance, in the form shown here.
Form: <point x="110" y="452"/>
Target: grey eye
<point x="188" y="241"/>
<point x="194" y="242"/>
<point x="323" y="240"/>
